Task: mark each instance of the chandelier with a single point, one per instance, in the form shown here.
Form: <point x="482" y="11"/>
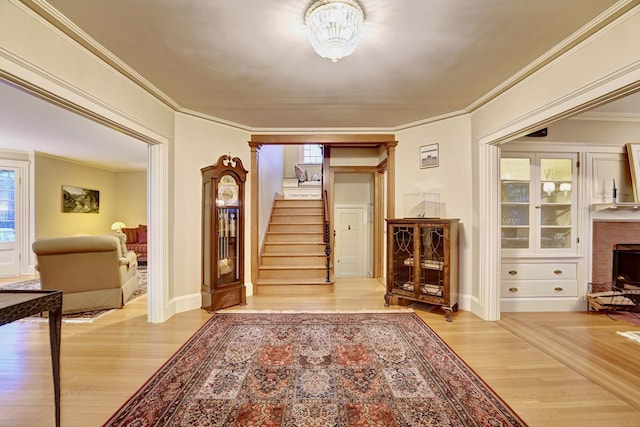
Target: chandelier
<point x="334" y="27"/>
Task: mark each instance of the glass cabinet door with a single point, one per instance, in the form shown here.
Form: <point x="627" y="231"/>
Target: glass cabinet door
<point x="418" y="257"/>
<point x="537" y="202"/>
<point x="227" y="210"/>
<point x="402" y="258"/>
<point x="556" y="189"/>
<point x="432" y="260"/>
<point x="515" y="197"/>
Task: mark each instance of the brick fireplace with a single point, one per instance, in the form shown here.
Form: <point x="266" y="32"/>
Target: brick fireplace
<point x="606" y="234"/>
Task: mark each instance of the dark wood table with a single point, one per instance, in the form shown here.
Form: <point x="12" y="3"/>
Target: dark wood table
<point x="15" y="305"/>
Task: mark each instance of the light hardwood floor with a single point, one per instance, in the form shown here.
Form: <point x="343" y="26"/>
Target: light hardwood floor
<point x="553" y="369"/>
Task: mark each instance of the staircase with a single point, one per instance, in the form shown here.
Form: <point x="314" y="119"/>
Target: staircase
<point x="293" y="260"/>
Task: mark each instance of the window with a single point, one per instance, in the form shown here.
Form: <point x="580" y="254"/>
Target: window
<point x="7" y="206"/>
<point x="312" y="153"/>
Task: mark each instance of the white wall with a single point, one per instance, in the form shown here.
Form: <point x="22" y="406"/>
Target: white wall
<point x="452" y="179"/>
<point x="291" y="158"/>
<point x="200" y="143"/>
<point x="271" y="159"/>
<point x="587" y="129"/>
<point x="347" y="156"/>
<point x="353" y="188"/>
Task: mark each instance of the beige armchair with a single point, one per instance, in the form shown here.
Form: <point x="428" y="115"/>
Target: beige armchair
<point x="93" y="272"/>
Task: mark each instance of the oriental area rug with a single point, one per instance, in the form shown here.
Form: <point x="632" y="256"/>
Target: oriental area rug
<point x="317" y="370"/>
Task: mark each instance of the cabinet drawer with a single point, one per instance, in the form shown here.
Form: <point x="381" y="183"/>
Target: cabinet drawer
<point x="543" y="271"/>
<point x="538" y="288"/>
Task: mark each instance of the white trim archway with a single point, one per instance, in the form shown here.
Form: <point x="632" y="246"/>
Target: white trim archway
<point x="488" y="248"/>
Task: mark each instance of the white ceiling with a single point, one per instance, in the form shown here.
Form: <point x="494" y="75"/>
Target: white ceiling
<point x="28" y="123"/>
<point x="248" y="62"/>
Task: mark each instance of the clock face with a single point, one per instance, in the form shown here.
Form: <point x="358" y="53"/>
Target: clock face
<point x="227" y="194"/>
<point x="228" y="191"/>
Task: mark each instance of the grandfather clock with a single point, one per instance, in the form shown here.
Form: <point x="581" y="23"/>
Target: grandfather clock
<point x="223" y="234"/>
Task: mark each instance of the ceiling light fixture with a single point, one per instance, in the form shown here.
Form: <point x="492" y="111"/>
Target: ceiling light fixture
<point x="334" y="27"/>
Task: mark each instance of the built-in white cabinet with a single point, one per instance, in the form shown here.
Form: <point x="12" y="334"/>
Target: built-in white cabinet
<point x="539" y="234"/>
<point x="538" y="203"/>
<point x="538" y="279"/>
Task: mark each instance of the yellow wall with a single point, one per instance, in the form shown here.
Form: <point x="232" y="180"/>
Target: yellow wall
<point x="51" y="174"/>
<point x="131" y="198"/>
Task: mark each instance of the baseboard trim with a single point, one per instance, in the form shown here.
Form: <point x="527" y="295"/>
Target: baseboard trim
<point x="185" y="303"/>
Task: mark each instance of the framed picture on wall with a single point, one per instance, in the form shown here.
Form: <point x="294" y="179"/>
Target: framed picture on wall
<point x="80" y="200"/>
<point x="429" y="156"/>
<point x="633" y="152"/>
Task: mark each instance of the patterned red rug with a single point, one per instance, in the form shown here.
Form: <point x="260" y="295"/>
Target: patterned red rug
<point x="259" y="369"/>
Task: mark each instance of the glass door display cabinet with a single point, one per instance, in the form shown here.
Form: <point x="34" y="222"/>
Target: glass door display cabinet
<point x="223" y="234"/>
<point x="538" y="194"/>
<point x="539" y="246"/>
<point x="422" y="262"/>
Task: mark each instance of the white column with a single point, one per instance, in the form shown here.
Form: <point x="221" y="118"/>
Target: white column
<point x="489" y="223"/>
<point x="157" y="214"/>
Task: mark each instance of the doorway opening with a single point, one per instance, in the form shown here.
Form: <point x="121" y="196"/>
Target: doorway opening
<point x="342" y="155"/>
<point x="353" y="224"/>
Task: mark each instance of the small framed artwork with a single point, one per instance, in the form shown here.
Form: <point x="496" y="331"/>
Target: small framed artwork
<point x="633" y="152"/>
<point x="429" y="156"/>
<point x="80" y="200"/>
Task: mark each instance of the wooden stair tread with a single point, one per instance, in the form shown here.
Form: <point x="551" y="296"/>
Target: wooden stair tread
<point x="302" y="242"/>
<point x="297" y="214"/>
<point x="292" y="267"/>
<point x="297" y="232"/>
<point x="293" y="254"/>
<point x="291" y="282"/>
<point x="293" y="258"/>
<point x="298" y="223"/>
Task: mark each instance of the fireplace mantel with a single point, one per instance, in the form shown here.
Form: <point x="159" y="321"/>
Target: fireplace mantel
<point x="615" y="206"/>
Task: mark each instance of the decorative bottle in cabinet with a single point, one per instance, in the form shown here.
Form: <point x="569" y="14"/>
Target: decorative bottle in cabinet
<point x="422" y="261"/>
<point x="223" y="234"/>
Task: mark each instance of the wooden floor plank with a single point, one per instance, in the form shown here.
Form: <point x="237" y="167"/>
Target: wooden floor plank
<point x="537" y="362"/>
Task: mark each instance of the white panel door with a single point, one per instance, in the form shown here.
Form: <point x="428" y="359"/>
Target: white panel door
<point x="9" y="247"/>
<point x="350" y="242"/>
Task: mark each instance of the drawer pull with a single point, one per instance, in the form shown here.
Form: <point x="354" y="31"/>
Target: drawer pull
<point x="513" y="290"/>
<point x="558" y="289"/>
<point x="557" y="272"/>
<point x="513" y="272"/>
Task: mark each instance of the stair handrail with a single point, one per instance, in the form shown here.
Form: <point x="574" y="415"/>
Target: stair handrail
<point x="327" y="235"/>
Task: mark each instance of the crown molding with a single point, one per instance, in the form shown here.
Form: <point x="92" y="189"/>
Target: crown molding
<point x="71" y="30"/>
<point x="608" y="117"/>
<point x="591" y="28"/>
